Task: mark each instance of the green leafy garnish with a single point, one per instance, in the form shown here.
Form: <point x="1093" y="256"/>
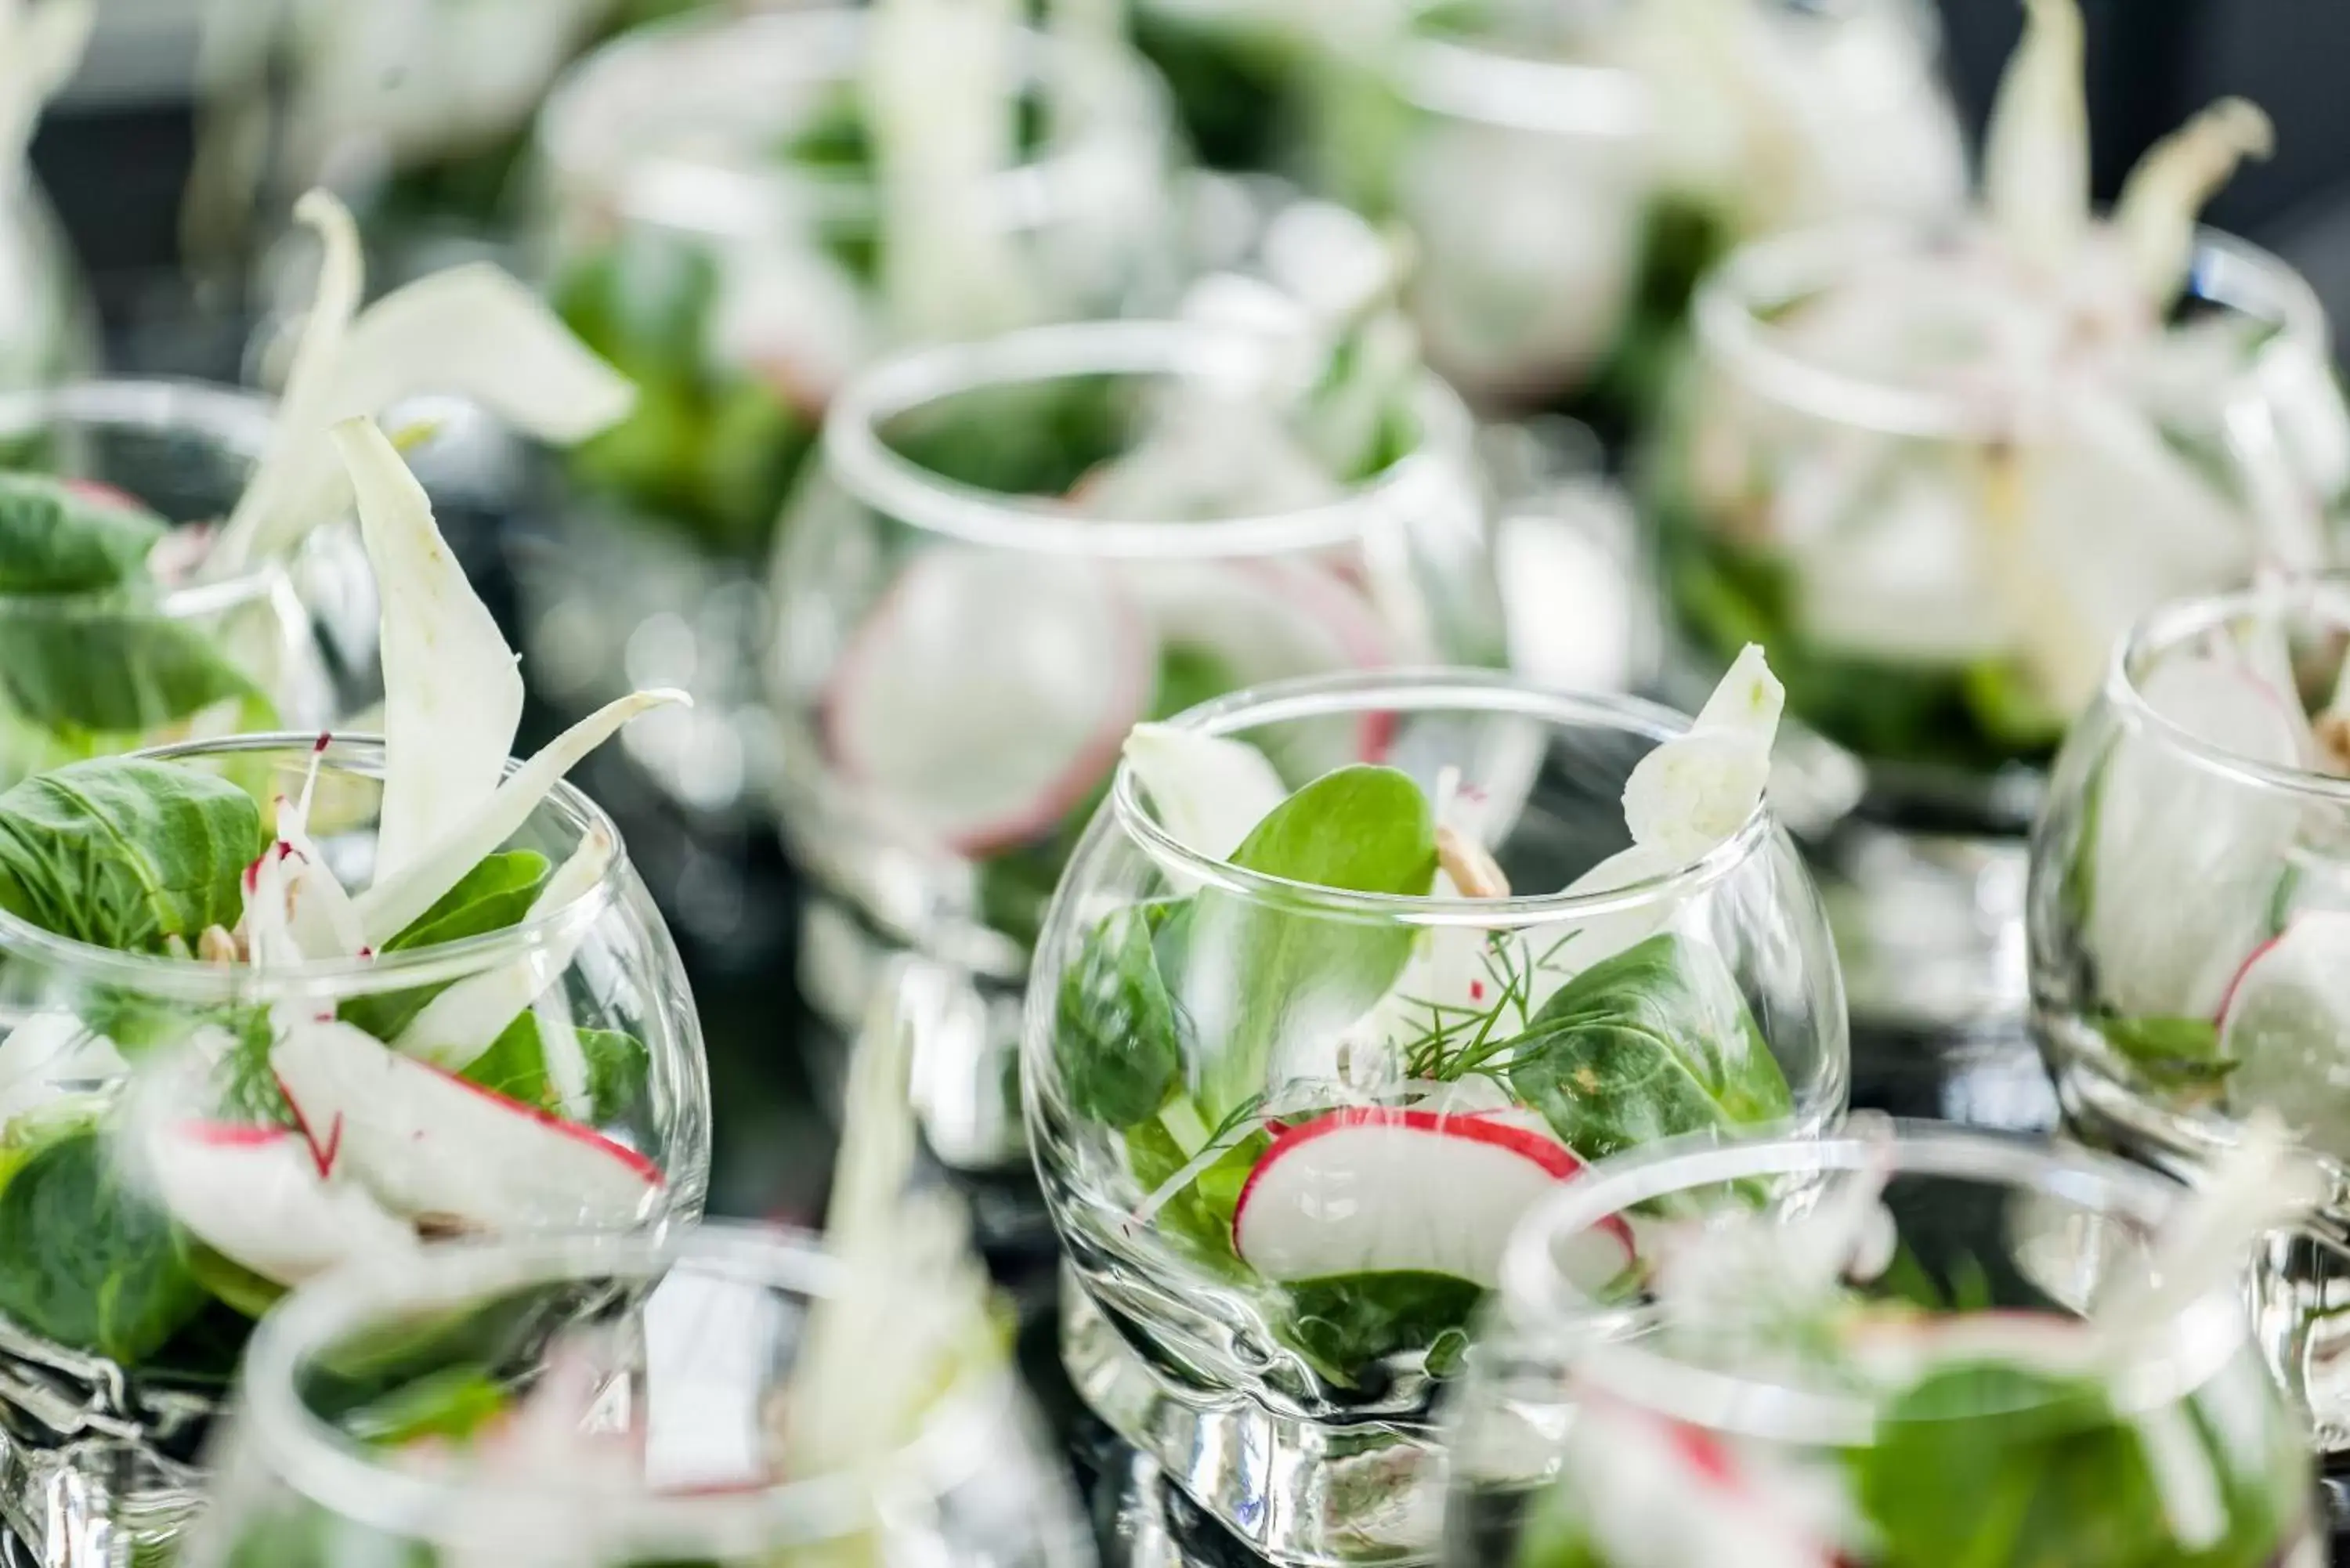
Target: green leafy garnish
<point x="1257" y="974"/>
<point x="514" y="1066"/>
<point x="451" y="1402"/>
<point x="90" y="1262"/>
<point x="126" y="854"/>
<point x="1118" y="1033"/>
<point x="494" y="896"/>
<point x="55" y="539"/>
<point x="2174" y="1053"/>
<point x="1351" y="1321"/>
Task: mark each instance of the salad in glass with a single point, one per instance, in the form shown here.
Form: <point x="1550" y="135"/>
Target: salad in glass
<point x="1301" y="1050"/>
<point x="729" y="1396"/>
<point x="1019" y="547"/>
<point x="2189" y="896"/>
<point x="177" y="561"/>
<point x="1570" y="172"/>
<point x="48" y="329"/>
<point x="1888" y="1349"/>
<point x="277" y="1001"/>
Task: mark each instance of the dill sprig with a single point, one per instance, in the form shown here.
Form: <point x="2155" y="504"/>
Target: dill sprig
<point x="1460" y="1040"/>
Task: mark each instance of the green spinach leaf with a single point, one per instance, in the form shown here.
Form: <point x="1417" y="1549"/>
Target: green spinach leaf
<point x="1650" y="1043"/>
<point x="55" y="539"/>
<point x="1256" y="973"/>
<point x="1117" y="1033"/>
<point x="126" y="854"/>
<point x="116" y="669"/>
<point x="2181" y="1053"/>
<point x="1347" y="1321"/>
<point x="515" y="1067"/>
<point x="88" y="1261"/>
<point x="492" y="897"/>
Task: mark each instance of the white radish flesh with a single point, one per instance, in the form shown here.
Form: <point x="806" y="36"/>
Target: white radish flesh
<point x="986" y="695"/>
<point x="434" y="1147"/>
<point x="1376" y="1191"/>
<point x="456" y="1026"/>
<point x="389" y="906"/>
<point x="452" y="694"/>
<point x="258" y="1196"/>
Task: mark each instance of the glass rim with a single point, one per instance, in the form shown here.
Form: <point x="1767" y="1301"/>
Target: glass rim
<point x="1473" y="77"/>
<point x="1537" y="1300"/>
<point x="2171" y="625"/>
<point x="1430" y="690"/>
<point x="820" y="43"/>
<point x="1730" y="319"/>
<point x="331" y="1470"/>
<point x="241" y="420"/>
<point x="869" y="470"/>
<point x="197" y="981"/>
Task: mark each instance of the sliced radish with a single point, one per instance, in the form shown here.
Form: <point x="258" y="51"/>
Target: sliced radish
<point x="1209" y="791"/>
<point x="1268" y="620"/>
<point x="2169" y="825"/>
<point x="432" y="1145"/>
<point x="258" y="1196"/>
<point x="987" y="693"/>
<point x="2285" y="1023"/>
<point x="1375" y="1189"/>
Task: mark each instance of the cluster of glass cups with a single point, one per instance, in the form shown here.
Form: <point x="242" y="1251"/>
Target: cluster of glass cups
<point x="709" y="217"/>
<point x="960" y="653"/>
<point x="1853" y="525"/>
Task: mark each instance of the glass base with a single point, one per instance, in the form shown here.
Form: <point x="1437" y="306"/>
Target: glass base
<point x="91" y="1469"/>
<point x="1292" y="1488"/>
<point x="1928" y="926"/>
<point x="2300" y="1289"/>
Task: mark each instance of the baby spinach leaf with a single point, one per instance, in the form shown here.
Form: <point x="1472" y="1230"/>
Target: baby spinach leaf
<point x="451" y="1402"/>
<point x="124" y="853"/>
<point x="55" y="539"/>
<point x="1257" y="974"/>
<point x="1650" y="1043"/>
<point x="1117" y="1033"/>
<point x="515" y="1067"/>
<point x="86" y="1261"/>
<point x="494" y="896"/>
<point x="2172" y="1052"/>
<point x="230" y="1283"/>
<point x="121" y="669"/>
<point x="1346" y="1321"/>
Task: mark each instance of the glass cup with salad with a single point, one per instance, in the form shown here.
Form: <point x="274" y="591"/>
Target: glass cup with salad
<point x="1016" y="550"/>
<point x="1905" y="1344"/>
<point x="1570" y="172"/>
<point x="1937" y="472"/>
<point x="741" y="213"/>
<point x="1348" y="974"/>
<point x="2189" y="893"/>
<point x="275" y="1002"/>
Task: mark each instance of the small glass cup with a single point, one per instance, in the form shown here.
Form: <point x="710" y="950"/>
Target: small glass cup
<point x="2189" y="874"/>
<point x="1884" y="540"/>
<point x="1564" y="195"/>
<point x="679" y="1351"/>
<point x="1959" y="1420"/>
<point x="1270" y="1274"/>
<point x="287" y="644"/>
<point x="959" y="655"/>
<point x="141" y="1127"/>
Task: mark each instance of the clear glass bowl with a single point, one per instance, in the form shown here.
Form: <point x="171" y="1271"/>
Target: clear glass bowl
<point x="48" y="330"/>
<point x="1267" y="1309"/>
<point x="1569" y="179"/>
<point x="139" y="1118"/>
<point x="959" y="655"/>
<point x="289" y="644"/>
<point x="2187" y="879"/>
<point x="678" y="1354"/>
<point x="1960" y="1422"/>
<point x="1882" y="540"/>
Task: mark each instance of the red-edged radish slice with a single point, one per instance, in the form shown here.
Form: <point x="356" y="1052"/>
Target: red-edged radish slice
<point x="2285" y="1024"/>
<point x="987" y="695"/>
<point x="453" y="692"/>
<point x="1209" y="791"/>
<point x="431" y="1145"/>
<point x="258" y="1196"/>
<point x="1267" y="620"/>
<point x="1375" y="1189"/>
<point x="2169" y="826"/>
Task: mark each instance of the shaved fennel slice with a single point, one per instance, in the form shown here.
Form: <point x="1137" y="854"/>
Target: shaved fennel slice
<point x="467" y="1020"/>
<point x="2155" y="216"/>
<point x="1696" y="791"/>
<point x="40" y="44"/>
<point x="320" y="914"/>
<point x="1209" y="791"/>
<point x="2035" y="175"/>
<point x="270" y="512"/>
<point x="452" y="695"/>
<point x="391" y="905"/>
